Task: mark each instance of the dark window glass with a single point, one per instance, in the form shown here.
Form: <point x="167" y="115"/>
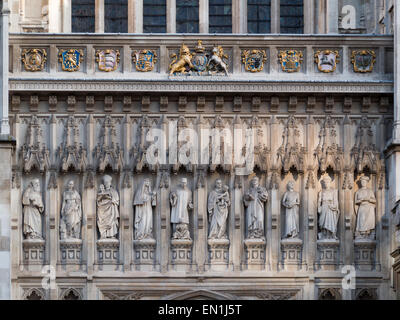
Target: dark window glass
<point x="116" y="16"/>
<point x="187" y="16"/>
<point x="220" y="16"/>
<point x="258" y="16"/>
<point x="154" y="16"/>
<point x="292" y="18"/>
<point x="83" y="16"/>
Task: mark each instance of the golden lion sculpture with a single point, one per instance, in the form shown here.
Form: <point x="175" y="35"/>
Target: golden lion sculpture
<point x="185" y="58"/>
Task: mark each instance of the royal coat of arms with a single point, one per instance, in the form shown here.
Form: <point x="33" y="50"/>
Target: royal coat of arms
<point x="291" y="60"/>
<point x="327" y="60"/>
<point x="70" y="59"/>
<point x="199" y="60"/>
<point x="34" y="59"/>
<point x="107" y="59"/>
<point x="363" y="60"/>
<point x="144" y="60"/>
<point x="254" y="60"/>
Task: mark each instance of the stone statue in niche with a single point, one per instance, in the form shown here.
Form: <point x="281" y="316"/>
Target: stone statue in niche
<point x="181" y="203"/>
<point x="145" y="200"/>
<point x="291" y="201"/>
<point x="218" y="205"/>
<point x="254" y="201"/>
<point x="328" y="210"/>
<point x="107" y="209"/>
<point x="33" y="210"/>
<point x="365" y="203"/>
<point x="71" y="213"/>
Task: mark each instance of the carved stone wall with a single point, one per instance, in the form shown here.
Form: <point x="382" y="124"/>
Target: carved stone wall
<point x="300" y="138"/>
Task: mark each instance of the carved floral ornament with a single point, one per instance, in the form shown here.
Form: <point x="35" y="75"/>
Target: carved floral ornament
<point x="107" y="59"/>
<point x="70" y="59"/>
<point x="254" y="60"/>
<point x="363" y="60"/>
<point x="34" y="59"/>
<point x="327" y="60"/>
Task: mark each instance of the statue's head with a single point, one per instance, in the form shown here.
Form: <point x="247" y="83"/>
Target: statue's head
<point x="70" y="185"/>
<point x="107" y="181"/>
<point x="35" y="185"/>
<point x="290" y="185"/>
<point x="364" y="181"/>
<point x="185" y="51"/>
<point x="218" y="184"/>
<point x="184" y="182"/>
<point x="255" y="182"/>
<point x="326" y="182"/>
<point x="146" y="183"/>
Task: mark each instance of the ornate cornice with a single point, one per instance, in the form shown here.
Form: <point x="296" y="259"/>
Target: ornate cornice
<point x="193" y="84"/>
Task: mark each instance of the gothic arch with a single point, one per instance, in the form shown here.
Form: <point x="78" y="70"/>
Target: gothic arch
<point x="329" y="294"/>
<point x="71" y="294"/>
<point x="34" y="294"/>
<point x="199" y="295"/>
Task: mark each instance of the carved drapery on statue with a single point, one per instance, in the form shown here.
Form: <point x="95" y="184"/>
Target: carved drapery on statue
<point x="291" y="202"/>
<point x="145" y="200"/>
<point x="365" y="203"/>
<point x="181" y="203"/>
<point x="107" y="209"/>
<point x="218" y="205"/>
<point x="328" y="209"/>
<point x="254" y="200"/>
<point x="33" y="209"/>
<point x="71" y="213"/>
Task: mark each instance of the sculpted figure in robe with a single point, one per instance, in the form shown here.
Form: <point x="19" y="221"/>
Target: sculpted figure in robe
<point x="107" y="209"/>
<point x="181" y="203"/>
<point x="71" y="213"/>
<point x="145" y="200"/>
<point x="365" y="203"/>
<point x="254" y="201"/>
<point x="328" y="209"/>
<point x="218" y="205"/>
<point x="291" y="201"/>
<point x="33" y="209"/>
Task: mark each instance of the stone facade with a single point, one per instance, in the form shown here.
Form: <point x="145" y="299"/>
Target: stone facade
<point x="321" y="127"/>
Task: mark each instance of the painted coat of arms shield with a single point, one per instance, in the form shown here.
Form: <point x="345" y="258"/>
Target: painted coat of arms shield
<point x="107" y="59"/>
<point x="291" y="60"/>
<point x="363" y="60"/>
<point x="71" y="59"/>
<point x="145" y="60"/>
<point x="254" y="60"/>
<point x="327" y="60"/>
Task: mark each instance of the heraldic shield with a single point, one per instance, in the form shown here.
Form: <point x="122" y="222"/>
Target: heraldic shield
<point x="70" y="59"/>
<point x="144" y="60"/>
<point x="291" y="60"/>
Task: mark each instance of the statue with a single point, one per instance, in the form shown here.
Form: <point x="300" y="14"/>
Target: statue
<point x="33" y="209"/>
<point x="216" y="62"/>
<point x="71" y="213"/>
<point x="291" y="201"/>
<point x="218" y="204"/>
<point x="144" y="200"/>
<point x="107" y="209"/>
<point x="365" y="203"/>
<point x="328" y="209"/>
<point x="185" y="59"/>
<point x="254" y="201"/>
<point x="181" y="202"/>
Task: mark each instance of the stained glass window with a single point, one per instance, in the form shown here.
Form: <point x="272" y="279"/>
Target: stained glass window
<point x="220" y="16"/>
<point x="258" y="16"/>
<point x="116" y="16"/>
<point x="292" y="16"/>
<point x="187" y="16"/>
<point x="83" y="15"/>
<point x="154" y="16"/>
